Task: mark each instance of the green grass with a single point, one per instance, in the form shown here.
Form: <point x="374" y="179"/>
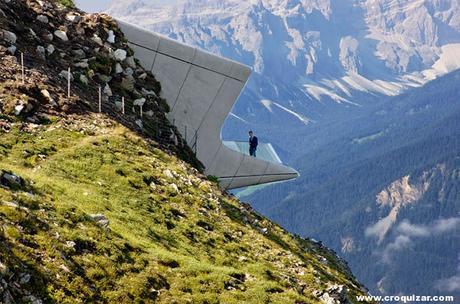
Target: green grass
<point x="194" y="245"/>
<point x="67" y="3"/>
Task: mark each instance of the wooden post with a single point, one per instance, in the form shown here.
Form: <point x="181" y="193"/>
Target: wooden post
<point x="100" y="99"/>
<point x="185" y="135"/>
<point x="22" y="69"/>
<point x="68" y="83"/>
<point x="123" y="105"/>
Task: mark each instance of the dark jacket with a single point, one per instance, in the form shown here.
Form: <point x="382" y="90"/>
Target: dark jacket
<point x="253" y="142"/>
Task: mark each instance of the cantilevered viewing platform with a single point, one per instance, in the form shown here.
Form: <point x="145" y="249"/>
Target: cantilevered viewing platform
<point x="201" y="89"/>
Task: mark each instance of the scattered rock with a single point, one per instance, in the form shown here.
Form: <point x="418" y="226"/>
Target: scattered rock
<point x="173" y="188"/>
<point x="120" y="55"/>
<point x="50" y="49"/>
<point x="168" y="173"/>
<point x="82" y="65"/>
<point x="48" y="37"/>
<point x="65" y="74"/>
<point x="61" y="35"/>
<point x="118" y="68"/>
<point x="111" y="38"/>
<point x="107" y="90"/>
<point x="84" y="79"/>
<point x="129" y="72"/>
<point x="9" y="36"/>
<point x="79" y="53"/>
<point x="70" y="244"/>
<point x="11" y="180"/>
<point x="18" y="109"/>
<point x="139" y="102"/>
<point x="46" y="94"/>
<point x="12" y="50"/>
<point x="41" y="52"/>
<point x="24" y="278"/>
<point x="149" y="93"/>
<point x="130" y="62"/>
<point x="73" y="18"/>
<point x="97" y="40"/>
<point x="100" y="220"/>
<point x="127" y="83"/>
<point x="42" y="18"/>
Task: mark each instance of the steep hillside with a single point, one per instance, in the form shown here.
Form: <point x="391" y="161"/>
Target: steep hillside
<point x="99" y="207"/>
<point x="389" y="197"/>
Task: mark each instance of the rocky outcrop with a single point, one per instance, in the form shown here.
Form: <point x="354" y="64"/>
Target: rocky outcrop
<point x="53" y="39"/>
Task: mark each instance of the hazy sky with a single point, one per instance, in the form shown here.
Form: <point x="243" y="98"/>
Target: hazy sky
<point x="100" y="5"/>
<point x="93" y="5"/>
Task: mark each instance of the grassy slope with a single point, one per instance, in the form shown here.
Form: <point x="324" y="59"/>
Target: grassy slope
<point x="196" y="245"/>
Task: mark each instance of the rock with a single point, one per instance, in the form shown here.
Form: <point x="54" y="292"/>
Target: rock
<point x="66" y="75"/>
<point x="139" y="102"/>
<point x="127" y="83"/>
<point x="118" y="68"/>
<point x="41" y="52"/>
<point x="48" y="97"/>
<point x="11" y="180"/>
<point x="24" y="278"/>
<point x="70" y="244"/>
<point x="139" y="123"/>
<point x="104" y="78"/>
<point x="153" y="186"/>
<point x="12" y="50"/>
<point x="130" y="62"/>
<point x="79" y="53"/>
<point x="168" y="173"/>
<point x="97" y="40"/>
<point x="173" y="187"/>
<point x="149" y="93"/>
<point x="3" y="269"/>
<point x="64" y="268"/>
<point x="42" y="18"/>
<point x="120" y="55"/>
<point x="100" y="220"/>
<point x="327" y="299"/>
<point x="129" y="72"/>
<point x="18" y="109"/>
<point x="61" y="35"/>
<point x="48" y="37"/>
<point x="143" y="76"/>
<point x="50" y="49"/>
<point x="111" y="38"/>
<point x="84" y="79"/>
<point x="73" y="18"/>
<point x="9" y="36"/>
<point x="107" y="90"/>
<point x="82" y="65"/>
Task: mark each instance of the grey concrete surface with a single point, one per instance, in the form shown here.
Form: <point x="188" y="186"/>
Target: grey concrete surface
<point x="201" y="89"/>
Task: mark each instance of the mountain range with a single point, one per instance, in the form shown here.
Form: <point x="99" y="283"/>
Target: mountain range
<point x="361" y="96"/>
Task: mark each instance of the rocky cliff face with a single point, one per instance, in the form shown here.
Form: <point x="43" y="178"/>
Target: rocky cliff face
<point x="98" y="207"/>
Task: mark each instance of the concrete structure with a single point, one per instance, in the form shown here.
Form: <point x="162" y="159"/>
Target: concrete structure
<point x="201" y="89"/>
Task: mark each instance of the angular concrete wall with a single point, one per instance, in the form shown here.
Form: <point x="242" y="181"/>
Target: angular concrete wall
<point x="201" y="89"/>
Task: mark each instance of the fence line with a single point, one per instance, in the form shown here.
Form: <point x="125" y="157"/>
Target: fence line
<point x="123" y="104"/>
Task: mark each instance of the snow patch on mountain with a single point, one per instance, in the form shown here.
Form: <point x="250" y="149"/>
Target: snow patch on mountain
<point x="333" y="51"/>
